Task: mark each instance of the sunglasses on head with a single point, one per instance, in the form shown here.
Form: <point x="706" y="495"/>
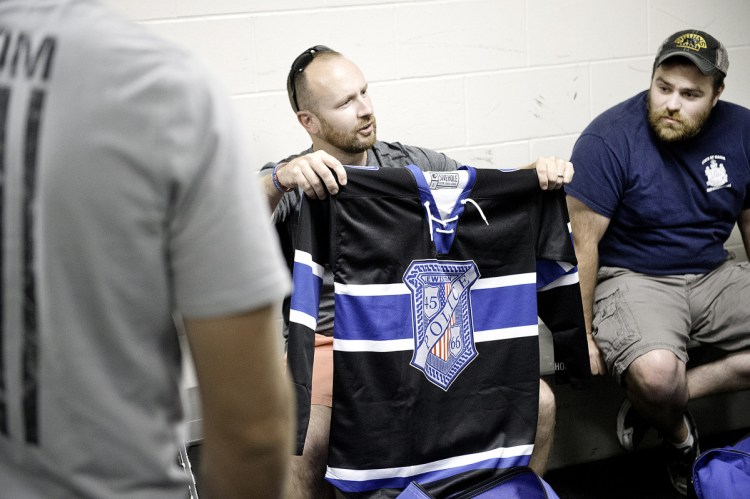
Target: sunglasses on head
<point x="298" y="66"/>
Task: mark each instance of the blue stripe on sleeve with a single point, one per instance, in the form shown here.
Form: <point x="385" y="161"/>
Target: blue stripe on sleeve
<point x="306" y="295"/>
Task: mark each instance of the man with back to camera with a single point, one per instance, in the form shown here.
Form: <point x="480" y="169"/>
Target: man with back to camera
<point x="661" y="180"/>
<point x="125" y="198"/>
<point x="329" y="95"/>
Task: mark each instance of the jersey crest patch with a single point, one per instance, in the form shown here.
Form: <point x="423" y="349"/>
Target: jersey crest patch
<point x="441" y="311"/>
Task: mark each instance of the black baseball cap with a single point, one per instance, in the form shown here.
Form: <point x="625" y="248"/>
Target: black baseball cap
<point x="705" y="51"/>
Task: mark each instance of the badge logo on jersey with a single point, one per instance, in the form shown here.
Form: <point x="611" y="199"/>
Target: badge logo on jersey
<point x="441" y="312"/>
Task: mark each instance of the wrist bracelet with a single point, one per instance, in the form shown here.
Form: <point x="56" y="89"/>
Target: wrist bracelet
<point x="282" y="189"/>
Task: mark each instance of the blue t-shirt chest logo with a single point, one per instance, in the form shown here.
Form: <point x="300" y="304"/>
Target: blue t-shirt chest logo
<point x="716" y="174"/>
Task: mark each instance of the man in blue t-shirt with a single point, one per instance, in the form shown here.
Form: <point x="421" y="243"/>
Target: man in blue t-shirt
<point x="661" y="180"/>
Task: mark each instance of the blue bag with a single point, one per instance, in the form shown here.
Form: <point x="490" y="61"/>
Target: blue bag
<point x="723" y="473"/>
<point x="519" y="482"/>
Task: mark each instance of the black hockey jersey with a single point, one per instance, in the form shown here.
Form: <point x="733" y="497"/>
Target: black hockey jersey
<point x="439" y="280"/>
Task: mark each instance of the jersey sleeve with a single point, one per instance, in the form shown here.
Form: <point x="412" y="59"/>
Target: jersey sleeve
<point x="559" y="293"/>
<point x="310" y="254"/>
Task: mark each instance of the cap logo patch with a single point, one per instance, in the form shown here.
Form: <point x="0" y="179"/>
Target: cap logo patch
<point x="691" y="41"/>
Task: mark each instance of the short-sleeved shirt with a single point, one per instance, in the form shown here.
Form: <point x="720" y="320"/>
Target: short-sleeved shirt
<point x="286" y="214"/>
<point x="671" y="205"/>
<point x="126" y="198"/>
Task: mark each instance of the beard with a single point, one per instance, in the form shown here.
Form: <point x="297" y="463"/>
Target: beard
<point x="685" y="128"/>
<point x="349" y="141"/>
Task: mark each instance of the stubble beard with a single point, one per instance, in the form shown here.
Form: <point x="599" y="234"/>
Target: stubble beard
<point x="349" y="141"/>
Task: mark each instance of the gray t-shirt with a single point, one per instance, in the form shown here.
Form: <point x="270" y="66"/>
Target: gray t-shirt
<point x="126" y="198"/>
<point x="382" y="154"/>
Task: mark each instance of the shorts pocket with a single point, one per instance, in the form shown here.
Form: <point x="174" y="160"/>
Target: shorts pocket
<point x="613" y="324"/>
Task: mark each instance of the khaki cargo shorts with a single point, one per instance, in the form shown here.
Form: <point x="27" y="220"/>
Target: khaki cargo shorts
<point x="636" y="313"/>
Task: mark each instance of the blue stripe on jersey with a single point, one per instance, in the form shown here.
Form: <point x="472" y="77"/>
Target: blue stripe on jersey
<point x="401" y="481"/>
<point x="306" y="295"/>
<point x="374" y="318"/>
<point x="381" y="318"/>
<point x="548" y="271"/>
<point x="513" y="305"/>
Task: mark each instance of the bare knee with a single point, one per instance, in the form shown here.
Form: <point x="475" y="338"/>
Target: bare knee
<point x="318" y="431"/>
<point x="547" y="406"/>
<point x="307" y="473"/>
<point x="545" y="424"/>
<point x="657" y="376"/>
<point x="545" y="428"/>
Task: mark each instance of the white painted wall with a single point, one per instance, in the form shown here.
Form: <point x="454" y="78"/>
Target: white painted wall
<point x="487" y="81"/>
<point x="490" y="82"/>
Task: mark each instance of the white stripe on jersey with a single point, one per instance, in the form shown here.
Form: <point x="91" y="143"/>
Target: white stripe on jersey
<point x="302" y="318"/>
<point x="402" y="289"/>
<point x="506" y="333"/>
<point x="565" y="280"/>
<point x="505" y="281"/>
<point x="373" y="345"/>
<point x="370" y="289"/>
<point x="306" y="259"/>
<point x="408" y="471"/>
<point x="408" y="343"/>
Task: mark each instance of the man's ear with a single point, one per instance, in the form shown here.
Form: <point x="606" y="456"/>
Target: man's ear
<point x="718" y="93"/>
<point x="309" y="122"/>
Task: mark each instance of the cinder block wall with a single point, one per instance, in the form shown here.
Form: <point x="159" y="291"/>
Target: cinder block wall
<point x="490" y="82"/>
